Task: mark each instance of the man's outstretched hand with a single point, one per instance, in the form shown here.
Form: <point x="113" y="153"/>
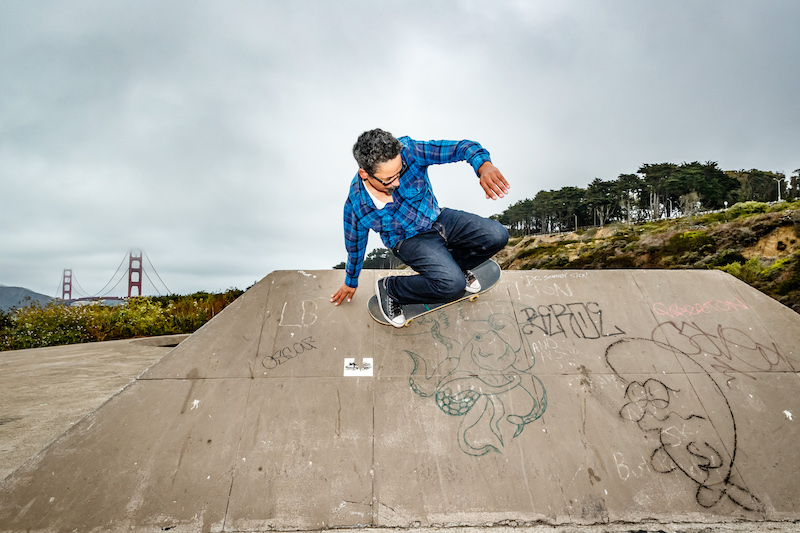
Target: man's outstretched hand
<point x="492" y="181"/>
<point x="343" y="292"/>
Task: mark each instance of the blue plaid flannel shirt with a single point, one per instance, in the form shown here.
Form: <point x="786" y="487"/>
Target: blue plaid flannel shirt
<point x="413" y="208"/>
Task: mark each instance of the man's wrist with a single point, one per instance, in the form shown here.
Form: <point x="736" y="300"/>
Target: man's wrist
<point x="486" y="165"/>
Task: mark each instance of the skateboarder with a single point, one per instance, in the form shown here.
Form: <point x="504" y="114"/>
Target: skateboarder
<point x="392" y="195"/>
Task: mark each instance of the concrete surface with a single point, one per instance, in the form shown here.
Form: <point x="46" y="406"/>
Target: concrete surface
<point x="44" y="391"/>
<point x="570" y="401"/>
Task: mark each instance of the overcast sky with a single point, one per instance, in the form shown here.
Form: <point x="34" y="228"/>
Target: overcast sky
<point x="217" y="136"/>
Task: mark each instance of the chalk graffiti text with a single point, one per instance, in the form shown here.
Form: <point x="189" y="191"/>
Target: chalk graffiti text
<point x="708" y="307"/>
<point x="583" y="319"/>
<point x="288" y="352"/>
<point x="733" y="350"/>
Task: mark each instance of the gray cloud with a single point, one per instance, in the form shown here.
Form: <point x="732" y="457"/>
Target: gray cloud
<point x="217" y="136"/>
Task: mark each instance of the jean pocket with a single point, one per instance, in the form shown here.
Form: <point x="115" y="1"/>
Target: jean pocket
<point x="396" y="250"/>
<point x="438" y="227"/>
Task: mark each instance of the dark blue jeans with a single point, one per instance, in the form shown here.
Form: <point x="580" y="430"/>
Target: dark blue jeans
<point x="457" y="241"/>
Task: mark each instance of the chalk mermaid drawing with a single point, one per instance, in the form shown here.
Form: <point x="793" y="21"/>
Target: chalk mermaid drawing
<point x="695" y="425"/>
<point x="479" y="380"/>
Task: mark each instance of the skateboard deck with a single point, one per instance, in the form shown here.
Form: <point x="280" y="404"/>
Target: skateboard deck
<point x="488" y="274"/>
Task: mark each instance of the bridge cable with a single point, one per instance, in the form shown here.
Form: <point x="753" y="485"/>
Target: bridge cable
<point x="117" y="284"/>
<point x="82" y="291"/>
<point x="58" y="290"/>
<point x="151" y="282"/>
<point x="112" y="277"/>
<point x="156" y="273"/>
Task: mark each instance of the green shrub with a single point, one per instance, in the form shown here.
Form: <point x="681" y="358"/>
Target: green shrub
<point x="789" y="286"/>
<point x="777" y="267"/>
<point x="5" y="320"/>
<point x="689" y="241"/>
<point x="49" y="325"/>
<point x="714" y="218"/>
<point x="747" y="272"/>
<point x="555" y="262"/>
<point x="620" y="261"/>
<point x="54" y="324"/>
<point x="746" y="209"/>
<point x="536" y="252"/>
<point x="784" y="206"/>
<point x="725" y="257"/>
<point x="789" y="276"/>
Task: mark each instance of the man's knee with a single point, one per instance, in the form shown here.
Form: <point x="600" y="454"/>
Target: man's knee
<point x="450" y="285"/>
<point x="496" y="236"/>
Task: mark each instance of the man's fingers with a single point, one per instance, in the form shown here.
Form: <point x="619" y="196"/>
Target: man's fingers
<point x="493" y="191"/>
<point x="494" y="184"/>
<point x="500" y="181"/>
<point x="341" y="294"/>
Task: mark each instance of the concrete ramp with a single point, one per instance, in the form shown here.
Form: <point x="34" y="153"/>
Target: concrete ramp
<point x="559" y="397"/>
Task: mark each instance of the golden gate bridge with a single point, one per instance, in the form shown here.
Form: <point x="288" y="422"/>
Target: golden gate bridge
<point x="135" y="274"/>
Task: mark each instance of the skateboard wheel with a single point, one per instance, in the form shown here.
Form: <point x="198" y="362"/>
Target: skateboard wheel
<point x="409" y="321"/>
<point x="473" y="298"/>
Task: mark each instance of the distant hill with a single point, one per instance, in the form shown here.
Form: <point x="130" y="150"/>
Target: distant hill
<point x="16" y="297"/>
<point x="756" y="242"/>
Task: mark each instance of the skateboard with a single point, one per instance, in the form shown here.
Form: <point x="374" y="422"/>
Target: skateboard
<point x="488" y="274"/>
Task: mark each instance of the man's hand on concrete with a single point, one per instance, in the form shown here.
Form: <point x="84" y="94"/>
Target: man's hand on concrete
<point x="492" y="181"/>
<point x="343" y="292"/>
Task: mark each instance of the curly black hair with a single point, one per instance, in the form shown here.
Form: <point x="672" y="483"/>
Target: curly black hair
<point x="375" y="147"/>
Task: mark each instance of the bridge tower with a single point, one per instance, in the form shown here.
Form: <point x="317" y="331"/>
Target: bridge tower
<point x="66" y="285"/>
<point x="135" y="272"/>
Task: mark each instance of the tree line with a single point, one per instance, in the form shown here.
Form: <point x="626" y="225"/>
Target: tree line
<point x="655" y="191"/>
<point x="379" y="258"/>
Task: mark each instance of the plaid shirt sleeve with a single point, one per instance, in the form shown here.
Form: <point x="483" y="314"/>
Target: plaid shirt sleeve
<point x="440" y="152"/>
<point x="355" y="242"/>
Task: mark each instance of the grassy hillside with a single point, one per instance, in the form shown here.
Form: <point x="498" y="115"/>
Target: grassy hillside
<point x="756" y="242"/>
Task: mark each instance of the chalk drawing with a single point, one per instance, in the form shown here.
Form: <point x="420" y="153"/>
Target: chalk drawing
<point x="707" y="307"/>
<point x="480" y="380"/>
<point x="582" y="320"/>
<point x="733" y="350"/>
<point x="694" y="423"/>
<point x="627" y="468"/>
<point x="286" y="353"/>
<point x="307" y="316"/>
<point x="531" y="279"/>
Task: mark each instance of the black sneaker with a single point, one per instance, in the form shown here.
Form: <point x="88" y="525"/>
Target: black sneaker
<point x="473" y="285"/>
<point x="391" y="309"/>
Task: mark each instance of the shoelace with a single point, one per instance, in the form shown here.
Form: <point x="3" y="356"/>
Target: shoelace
<point x="470" y="277"/>
<point x="394" y="307"/>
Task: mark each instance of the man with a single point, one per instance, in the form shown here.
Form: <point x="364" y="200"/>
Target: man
<point x="392" y="195"/>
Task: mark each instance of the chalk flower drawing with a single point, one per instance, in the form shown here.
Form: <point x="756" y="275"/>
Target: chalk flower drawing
<point x="480" y="380"/>
<point x="696" y="427"/>
<point x="648" y="398"/>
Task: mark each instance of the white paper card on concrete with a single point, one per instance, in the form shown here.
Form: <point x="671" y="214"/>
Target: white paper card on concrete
<point x="352" y="369"/>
